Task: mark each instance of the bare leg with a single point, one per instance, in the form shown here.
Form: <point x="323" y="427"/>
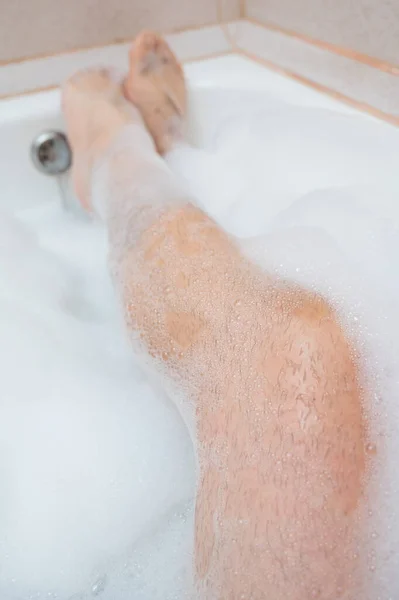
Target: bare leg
<point x="263" y="368"/>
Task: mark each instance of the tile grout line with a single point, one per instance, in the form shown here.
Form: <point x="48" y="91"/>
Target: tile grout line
<point x="269" y="26"/>
<point x="365" y="59"/>
<point x="118" y="42"/>
<point x="234" y="47"/>
<point x="48" y="88"/>
<point x="319" y="87"/>
<point x="225" y="25"/>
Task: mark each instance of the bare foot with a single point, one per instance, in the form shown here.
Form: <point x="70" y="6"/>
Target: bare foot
<point x="156" y="85"/>
<point x="95" y="111"/>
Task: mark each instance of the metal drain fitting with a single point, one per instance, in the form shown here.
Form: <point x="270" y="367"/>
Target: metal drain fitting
<point x="50" y="153"/>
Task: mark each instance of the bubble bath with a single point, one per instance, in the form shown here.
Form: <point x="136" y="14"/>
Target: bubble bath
<point x="97" y="470"/>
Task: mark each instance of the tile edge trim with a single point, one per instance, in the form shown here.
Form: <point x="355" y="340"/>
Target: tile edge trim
<point x="321" y="88"/>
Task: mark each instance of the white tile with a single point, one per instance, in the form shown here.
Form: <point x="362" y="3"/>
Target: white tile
<point x="355" y="80"/>
<point x="45" y="72"/>
<point x="199" y="43"/>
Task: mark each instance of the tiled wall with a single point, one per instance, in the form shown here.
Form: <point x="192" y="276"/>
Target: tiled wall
<point x="367" y="26"/>
<point x="39" y="27"/>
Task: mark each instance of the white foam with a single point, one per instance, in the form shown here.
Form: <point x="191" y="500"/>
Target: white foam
<point x="96" y="468"/>
<point x="91" y="456"/>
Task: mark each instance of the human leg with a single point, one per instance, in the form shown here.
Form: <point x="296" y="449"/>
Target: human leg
<point x="265" y="367"/>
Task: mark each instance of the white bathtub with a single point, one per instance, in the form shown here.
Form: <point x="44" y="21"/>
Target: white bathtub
<point x="221" y="86"/>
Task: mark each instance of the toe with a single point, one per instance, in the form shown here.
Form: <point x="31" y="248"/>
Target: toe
<point x="146" y="41"/>
<point x="150" y="52"/>
<point x="95" y="80"/>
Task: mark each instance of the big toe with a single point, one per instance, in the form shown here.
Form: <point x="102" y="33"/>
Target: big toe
<point x="150" y="52"/>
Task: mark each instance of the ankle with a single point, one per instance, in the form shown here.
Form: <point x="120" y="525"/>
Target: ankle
<point x="115" y="163"/>
<point x="171" y="136"/>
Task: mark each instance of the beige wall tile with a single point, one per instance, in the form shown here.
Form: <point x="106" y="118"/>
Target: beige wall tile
<point x="353" y="79"/>
<point x="24" y="76"/>
<point x="36" y="27"/>
<point x="367" y="26"/>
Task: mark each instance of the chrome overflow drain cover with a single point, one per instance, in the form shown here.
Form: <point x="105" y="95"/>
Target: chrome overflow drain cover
<point x="50" y="153"/>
